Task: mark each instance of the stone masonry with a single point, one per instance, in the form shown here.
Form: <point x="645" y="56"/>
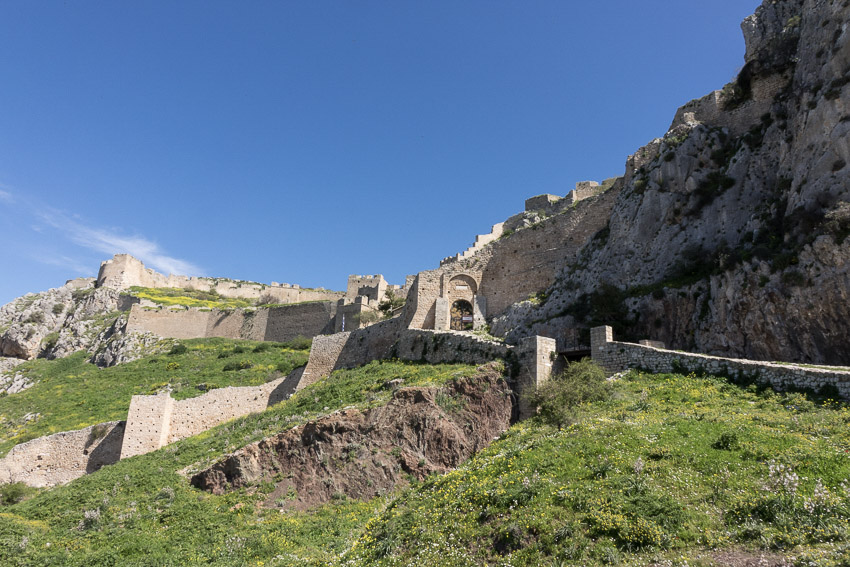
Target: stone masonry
<point x="281" y="323"/>
<point x="62" y="457"/>
<point x="124" y="271"/>
<point x="617" y="356"/>
<point x="155" y="421"/>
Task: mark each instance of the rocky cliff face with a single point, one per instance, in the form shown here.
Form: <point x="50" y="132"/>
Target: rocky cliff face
<point x="363" y="454"/>
<point x="729" y="236"/>
<point x="61" y="321"/>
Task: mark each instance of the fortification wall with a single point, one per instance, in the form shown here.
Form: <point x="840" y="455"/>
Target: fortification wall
<point x="617" y="356"/>
<point x="388" y="340"/>
<point x="442" y="347"/>
<point x="306" y="320"/>
<point x="515" y="266"/>
<point x="156" y="421"/>
<point x="349" y="349"/>
<point x="124" y="271"/>
<point x="712" y="109"/>
<point x="148" y="423"/>
<point x="527" y="261"/>
<point x="62" y="457"/>
<point x="236" y="324"/>
<point x="280" y="323"/>
<point x="174" y="323"/>
<point x="196" y="415"/>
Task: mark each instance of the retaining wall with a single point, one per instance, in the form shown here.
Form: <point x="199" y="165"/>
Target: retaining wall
<point x="281" y="323"/>
<point x="617" y="356"/>
<point x="62" y="457"/>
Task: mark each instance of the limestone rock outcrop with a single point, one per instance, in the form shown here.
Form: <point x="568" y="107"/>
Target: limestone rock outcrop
<point x="60" y="321"/>
<point x="729" y="235"/>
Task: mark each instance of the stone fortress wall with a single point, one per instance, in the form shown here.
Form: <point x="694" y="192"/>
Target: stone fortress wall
<point x="124" y="271"/>
<point x="154" y="421"/>
<point x="62" y="457"/>
<point x="515" y="266"/>
<point x="158" y="420"/>
<point x="301" y="312"/>
<point x="714" y="108"/>
<point x="280" y="323"/>
<point x="618" y="356"/>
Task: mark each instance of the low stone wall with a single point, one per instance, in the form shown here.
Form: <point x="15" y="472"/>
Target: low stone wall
<point x="155" y="421"/>
<point x="196" y="415"/>
<point x="617" y="356"/>
<point x="387" y="340"/>
<point x="440" y="347"/>
<point x="62" y="457"/>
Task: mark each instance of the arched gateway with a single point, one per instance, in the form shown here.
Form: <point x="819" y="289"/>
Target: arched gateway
<point x="461" y="316"/>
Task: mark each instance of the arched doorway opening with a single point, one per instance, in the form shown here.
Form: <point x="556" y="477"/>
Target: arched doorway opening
<point x="461" y="316"/>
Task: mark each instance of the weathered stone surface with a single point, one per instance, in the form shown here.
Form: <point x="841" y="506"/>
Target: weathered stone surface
<point x="62" y="457"/>
<point x="754" y="190"/>
<point x="617" y="356"/>
<point x="12" y="382"/>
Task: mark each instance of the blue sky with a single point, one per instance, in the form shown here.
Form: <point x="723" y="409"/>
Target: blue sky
<point x="304" y="141"/>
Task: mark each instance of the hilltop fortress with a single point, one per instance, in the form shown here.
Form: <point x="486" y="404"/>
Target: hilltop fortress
<point x="462" y="294"/>
<point x="727" y="238"/>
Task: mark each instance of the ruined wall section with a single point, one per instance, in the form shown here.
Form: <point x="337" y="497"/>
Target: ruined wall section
<point x="196" y="415"/>
<point x="527" y="261"/>
<point x="124" y="271"/>
<point x="155" y="421"/>
<point x="618" y="356"/>
<point x="62" y="457"/>
<point x="349" y="349"/>
<point x="148" y="424"/>
<point x="386" y="340"/>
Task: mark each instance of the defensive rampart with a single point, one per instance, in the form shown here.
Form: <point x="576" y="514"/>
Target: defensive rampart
<point x="156" y="421"/>
<point x="62" y="457"/>
<point x="516" y="265"/>
<point x="124" y="271"/>
<point x="281" y="323"/>
<point x="617" y="356"/>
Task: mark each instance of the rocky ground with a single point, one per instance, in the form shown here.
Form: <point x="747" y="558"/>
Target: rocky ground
<point x="363" y="454"/>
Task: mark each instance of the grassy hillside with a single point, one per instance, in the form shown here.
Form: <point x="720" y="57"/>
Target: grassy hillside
<point x="673" y="470"/>
<point x="674" y="467"/>
<point x="140" y="511"/>
<point x="71" y="394"/>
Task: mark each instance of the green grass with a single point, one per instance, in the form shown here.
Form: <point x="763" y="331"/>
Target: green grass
<point x="71" y="393"/>
<point x="674" y="467"/>
<point x="189" y="297"/>
<point x="669" y="470"/>
<point x="142" y="512"/>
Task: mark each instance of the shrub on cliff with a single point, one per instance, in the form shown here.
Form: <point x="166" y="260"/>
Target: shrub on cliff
<point x="558" y="400"/>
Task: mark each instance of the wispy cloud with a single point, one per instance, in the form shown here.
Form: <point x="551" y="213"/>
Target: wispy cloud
<point x="112" y="242"/>
<point x="78" y="267"/>
<point x="6" y="195"/>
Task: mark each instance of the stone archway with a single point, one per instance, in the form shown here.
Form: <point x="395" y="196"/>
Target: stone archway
<point x="461" y="316"/>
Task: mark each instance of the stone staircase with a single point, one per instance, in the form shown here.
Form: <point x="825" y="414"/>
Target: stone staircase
<point x="481" y="241"/>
